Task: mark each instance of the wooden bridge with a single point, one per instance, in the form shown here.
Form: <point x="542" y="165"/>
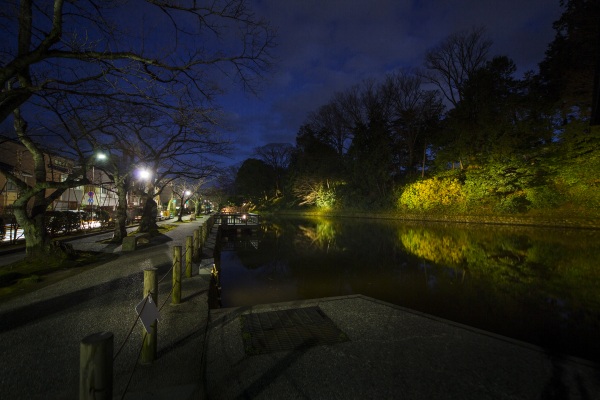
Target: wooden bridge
<point x="237" y="220"/>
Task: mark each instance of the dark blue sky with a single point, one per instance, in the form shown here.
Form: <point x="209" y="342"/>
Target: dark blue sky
<point x="326" y="46"/>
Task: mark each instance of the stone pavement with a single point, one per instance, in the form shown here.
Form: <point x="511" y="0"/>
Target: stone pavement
<point x="381" y="351"/>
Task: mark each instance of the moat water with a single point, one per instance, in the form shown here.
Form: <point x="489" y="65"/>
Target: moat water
<point x="539" y="285"/>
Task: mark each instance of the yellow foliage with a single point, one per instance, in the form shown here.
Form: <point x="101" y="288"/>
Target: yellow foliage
<point x="440" y="249"/>
<point x="432" y="193"/>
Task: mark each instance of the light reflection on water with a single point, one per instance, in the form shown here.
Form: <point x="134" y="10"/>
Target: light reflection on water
<point x="538" y="285"/>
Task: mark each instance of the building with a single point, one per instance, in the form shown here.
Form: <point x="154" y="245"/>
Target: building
<point x="16" y="158"/>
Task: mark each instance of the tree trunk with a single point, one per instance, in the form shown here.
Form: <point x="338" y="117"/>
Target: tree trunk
<point x="148" y="222"/>
<point x="121" y="218"/>
<point x="180" y="213"/>
<point x="38" y="245"/>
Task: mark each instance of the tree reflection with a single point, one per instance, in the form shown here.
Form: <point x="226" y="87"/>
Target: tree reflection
<point x="537" y="285"/>
<point x="321" y="235"/>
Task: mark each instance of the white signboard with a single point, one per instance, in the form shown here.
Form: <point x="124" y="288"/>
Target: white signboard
<point x="148" y="312"/>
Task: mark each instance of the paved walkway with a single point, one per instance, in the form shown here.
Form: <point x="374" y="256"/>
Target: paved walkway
<point x="40" y="333"/>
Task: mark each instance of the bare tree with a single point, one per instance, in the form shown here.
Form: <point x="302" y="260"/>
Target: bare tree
<point x="176" y="145"/>
<point x="186" y="189"/>
<point x="455" y="60"/>
<point x="35" y="197"/>
<point x="277" y="156"/>
<point x="70" y="52"/>
<point x="331" y="126"/>
<point x="84" y="48"/>
<point x="415" y="112"/>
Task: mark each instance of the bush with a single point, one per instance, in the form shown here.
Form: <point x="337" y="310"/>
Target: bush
<point x="72" y="221"/>
<point x="433" y="193"/>
<point x="54" y="222"/>
<point x="62" y="222"/>
<point x="513" y="203"/>
<point x="103" y="218"/>
<point x="543" y="197"/>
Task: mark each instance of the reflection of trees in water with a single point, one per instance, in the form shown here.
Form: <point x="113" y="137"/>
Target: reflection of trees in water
<point x="554" y="264"/>
<point x="321" y="235"/>
<point x="438" y="248"/>
<point x="521" y="283"/>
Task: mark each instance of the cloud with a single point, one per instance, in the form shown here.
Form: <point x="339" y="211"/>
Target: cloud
<point x="326" y="46"/>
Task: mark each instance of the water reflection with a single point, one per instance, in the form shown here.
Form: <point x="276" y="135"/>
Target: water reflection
<point x="538" y="285"/>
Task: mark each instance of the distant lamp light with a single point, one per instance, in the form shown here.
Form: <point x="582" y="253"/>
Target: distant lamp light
<point x="144" y="174"/>
<point x="101" y="156"/>
<point x="187" y="192"/>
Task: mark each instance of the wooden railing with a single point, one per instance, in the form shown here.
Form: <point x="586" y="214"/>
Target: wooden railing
<point x="237" y="219"/>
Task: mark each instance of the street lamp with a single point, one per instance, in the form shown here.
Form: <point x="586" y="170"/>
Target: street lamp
<point x="92" y="193"/>
<point x="144" y="174"/>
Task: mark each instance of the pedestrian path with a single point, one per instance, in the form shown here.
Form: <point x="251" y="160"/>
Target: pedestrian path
<point x="40" y="332"/>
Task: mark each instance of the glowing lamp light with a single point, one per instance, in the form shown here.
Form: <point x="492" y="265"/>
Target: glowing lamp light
<point x="144" y="174"/>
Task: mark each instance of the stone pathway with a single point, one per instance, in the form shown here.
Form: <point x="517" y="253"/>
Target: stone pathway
<point x="40" y="332"/>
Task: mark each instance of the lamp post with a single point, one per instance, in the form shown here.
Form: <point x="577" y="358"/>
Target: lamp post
<point x="99" y="157"/>
<point x="143" y="175"/>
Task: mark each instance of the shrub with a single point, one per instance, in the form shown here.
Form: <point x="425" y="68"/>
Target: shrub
<point x="543" y="197"/>
<point x="433" y="193"/>
<point x="72" y="221"/>
<point x="103" y="218"/>
<point x="54" y="222"/>
<point x="513" y="203"/>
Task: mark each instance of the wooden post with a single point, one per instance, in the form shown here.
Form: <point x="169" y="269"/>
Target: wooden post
<point x="189" y="252"/>
<point x="196" y="244"/>
<point x="150" y="339"/>
<point x="201" y="229"/>
<point x="96" y="366"/>
<point x="176" y="297"/>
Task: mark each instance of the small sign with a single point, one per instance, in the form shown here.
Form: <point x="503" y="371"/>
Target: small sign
<point x="91" y="194"/>
<point x="148" y="312"/>
<point x="90" y="200"/>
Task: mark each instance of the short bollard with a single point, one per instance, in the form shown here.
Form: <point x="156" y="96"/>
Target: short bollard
<point x="176" y="296"/>
<point x="96" y="366"/>
<point x="196" y="244"/>
<point x="203" y="235"/>
<point x="189" y="252"/>
<point x="150" y="339"/>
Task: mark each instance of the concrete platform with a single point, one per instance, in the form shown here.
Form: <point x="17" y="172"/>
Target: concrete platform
<point x="385" y="352"/>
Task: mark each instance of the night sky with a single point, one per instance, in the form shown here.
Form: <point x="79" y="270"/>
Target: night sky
<point x="326" y="46"/>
